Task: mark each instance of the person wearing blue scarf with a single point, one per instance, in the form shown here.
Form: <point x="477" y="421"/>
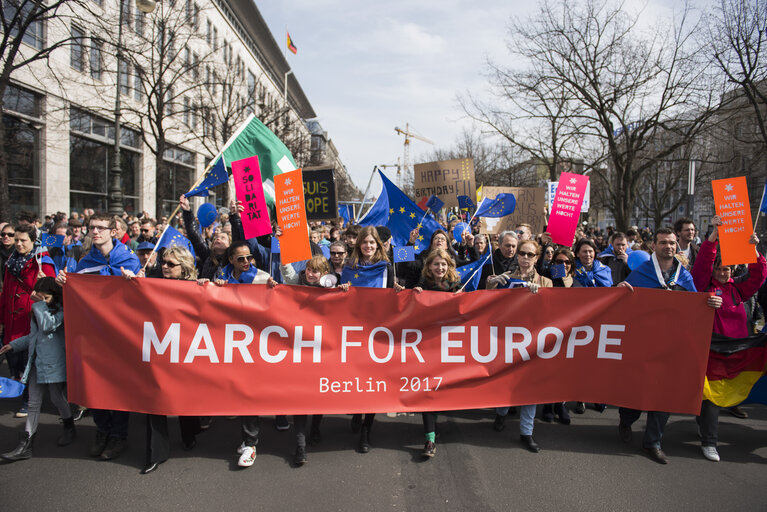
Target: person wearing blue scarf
<point x="240" y="269"/>
<point x="589" y="272"/>
<point x="662" y="271"/>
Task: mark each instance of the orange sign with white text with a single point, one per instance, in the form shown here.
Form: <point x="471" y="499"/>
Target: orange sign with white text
<point x="732" y="206"/>
<point x="291" y="217"/>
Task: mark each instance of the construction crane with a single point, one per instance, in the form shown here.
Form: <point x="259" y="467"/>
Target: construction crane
<point x="405" y="170"/>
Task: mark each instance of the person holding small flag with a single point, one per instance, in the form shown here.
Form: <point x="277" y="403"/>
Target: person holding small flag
<point x="368" y="266"/>
<point x="213" y="258"/>
<point x="503" y="259"/>
<point x="438" y="274"/>
<point x="730" y="320"/>
<point x="662" y="271"/>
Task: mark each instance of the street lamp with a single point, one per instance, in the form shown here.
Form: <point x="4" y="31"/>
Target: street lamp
<point x="116" y="206"/>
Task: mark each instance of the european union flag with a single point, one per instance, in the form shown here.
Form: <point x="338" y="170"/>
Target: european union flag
<point x="10" y="388"/>
<point x="216" y="176"/>
<point x="401" y="216"/>
<point x="502" y="205"/>
<point x="48" y="240"/>
<point x="171" y="236"/>
<point x="763" y="206"/>
<point x="346" y="212"/>
<point x="558" y="271"/>
<point x="434" y="203"/>
<point x="465" y="203"/>
<point x="369" y="276"/>
<point x="275" y="245"/>
<point x="470" y="275"/>
<point x="514" y="283"/>
<point x="404" y="253"/>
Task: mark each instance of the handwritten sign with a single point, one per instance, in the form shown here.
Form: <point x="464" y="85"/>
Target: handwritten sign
<point x="566" y="208"/>
<point x="291" y="217"/>
<point x="250" y="192"/>
<point x="446" y="179"/>
<point x="732" y="205"/>
<point x="320" y="194"/>
<point x="530" y="209"/>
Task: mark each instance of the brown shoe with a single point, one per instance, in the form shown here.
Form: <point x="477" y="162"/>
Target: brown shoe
<point x="737" y="412"/>
<point x="657" y="455"/>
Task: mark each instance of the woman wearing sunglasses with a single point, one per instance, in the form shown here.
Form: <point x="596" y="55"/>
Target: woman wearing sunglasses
<point x="240" y="268"/>
<point x="177" y="263"/>
<point x="564" y="256"/>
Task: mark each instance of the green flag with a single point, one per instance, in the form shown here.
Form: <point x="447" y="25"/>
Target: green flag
<point x="254" y="138"/>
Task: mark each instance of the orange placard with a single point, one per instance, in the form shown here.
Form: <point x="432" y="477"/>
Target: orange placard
<point x="731" y="201"/>
<point x="291" y="217"/>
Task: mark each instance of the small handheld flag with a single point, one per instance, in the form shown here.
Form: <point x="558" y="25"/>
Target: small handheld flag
<point x="49" y="240"/>
<point x="471" y="274"/>
<point x="404" y="253"/>
<point x="275" y="245"/>
<point x="173" y="237"/>
<point x="217" y="175"/>
<point x="370" y="276"/>
<point x="502" y="205"/>
<point x="10" y="388"/>
<point x="465" y="203"/>
<point x="291" y="46"/>
<point x="558" y="271"/>
<point x="435" y="204"/>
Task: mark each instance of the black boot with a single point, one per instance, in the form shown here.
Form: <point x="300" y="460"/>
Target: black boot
<point x="364" y="444"/>
<point x="22" y="451"/>
<point x="69" y="433"/>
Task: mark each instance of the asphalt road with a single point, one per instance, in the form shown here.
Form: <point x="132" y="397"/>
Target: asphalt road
<point x="583" y="466"/>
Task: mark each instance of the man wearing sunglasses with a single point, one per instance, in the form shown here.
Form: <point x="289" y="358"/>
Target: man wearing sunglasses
<point x="148" y="231"/>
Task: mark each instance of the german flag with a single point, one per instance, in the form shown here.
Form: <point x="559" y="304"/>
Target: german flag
<point x="734" y="366"/>
<point x="291" y="46"/>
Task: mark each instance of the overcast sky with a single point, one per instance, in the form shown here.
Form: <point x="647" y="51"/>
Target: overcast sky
<point x="368" y="67"/>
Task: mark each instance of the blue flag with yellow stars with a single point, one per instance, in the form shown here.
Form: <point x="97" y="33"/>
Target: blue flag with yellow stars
<point x="48" y="240"/>
<point x="502" y="205"/>
<point x="216" y="176"/>
<point x="434" y="203"/>
<point x="346" y="212"/>
<point x="369" y="276"/>
<point x="402" y="217"/>
<point x="469" y="277"/>
<point x="404" y="253"/>
<point x="173" y="237"/>
<point x="465" y="203"/>
<point x="10" y="388"/>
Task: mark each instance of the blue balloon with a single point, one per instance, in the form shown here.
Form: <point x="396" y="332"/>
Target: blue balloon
<point x="207" y="214"/>
<point x="636" y="258"/>
<point x="458" y="231"/>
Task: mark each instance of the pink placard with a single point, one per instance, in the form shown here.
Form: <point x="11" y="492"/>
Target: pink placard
<point x="566" y="208"/>
<point x="250" y="192"/>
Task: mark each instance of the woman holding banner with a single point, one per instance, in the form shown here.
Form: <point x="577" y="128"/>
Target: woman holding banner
<point x="730" y="322"/>
<point x="240" y="268"/>
<point x="177" y="263"/>
<point x="438" y="275"/>
<point x="439" y="240"/>
<point x="528" y="252"/>
<point x="369" y="261"/>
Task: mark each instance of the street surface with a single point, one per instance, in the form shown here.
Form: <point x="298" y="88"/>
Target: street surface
<point x="583" y="466"/>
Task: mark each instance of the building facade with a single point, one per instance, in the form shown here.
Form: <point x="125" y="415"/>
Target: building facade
<point x="189" y="73"/>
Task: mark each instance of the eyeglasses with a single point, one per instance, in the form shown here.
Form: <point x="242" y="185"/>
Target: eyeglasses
<point x="563" y="262"/>
<point x="170" y="264"/>
<point x="243" y="259"/>
<point x="96" y="229"/>
<point x="520" y="232"/>
<point x="527" y="254"/>
<point x="146" y="230"/>
<point x="10" y="233"/>
<point x="337" y="253"/>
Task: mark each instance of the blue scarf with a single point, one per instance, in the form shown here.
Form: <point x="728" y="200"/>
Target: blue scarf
<point x="245" y="278"/>
<point x="599" y="276"/>
<point x="120" y="256"/>
<point x="645" y="276"/>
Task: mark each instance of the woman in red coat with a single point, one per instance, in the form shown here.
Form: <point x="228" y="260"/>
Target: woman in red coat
<point x="19" y="277"/>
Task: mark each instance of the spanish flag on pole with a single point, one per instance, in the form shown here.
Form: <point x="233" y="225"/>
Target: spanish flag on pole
<point x="291" y="46"/>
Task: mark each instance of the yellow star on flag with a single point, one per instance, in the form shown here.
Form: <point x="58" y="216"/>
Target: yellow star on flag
<point x="391" y="210"/>
<point x="356" y="276"/>
<point x="402" y="209"/>
<point x="412" y="215"/>
<point x="419" y="226"/>
<point x="416" y="247"/>
<point x="420" y="237"/>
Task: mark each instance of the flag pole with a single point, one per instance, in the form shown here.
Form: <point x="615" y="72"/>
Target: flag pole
<point x="473" y="274"/>
<point x="475" y="211"/>
<point x="759" y="211"/>
<point x="365" y="195"/>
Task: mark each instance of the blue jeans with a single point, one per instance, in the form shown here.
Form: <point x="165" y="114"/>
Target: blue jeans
<point x="526" y="418"/>
<point x="653" y="432"/>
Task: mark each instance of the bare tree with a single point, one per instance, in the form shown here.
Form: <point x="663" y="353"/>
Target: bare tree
<point x="621" y="88"/>
<point x="23" y="42"/>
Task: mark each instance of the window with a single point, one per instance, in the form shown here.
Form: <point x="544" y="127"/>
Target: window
<point x="138" y="87"/>
<point x="196" y="17"/>
<point x="169" y="101"/>
<point x="186" y="110"/>
<point x="125" y="4"/>
<point x="140" y="22"/>
<point x="175" y="176"/>
<point x="171" y="46"/>
<point x="215" y="38"/>
<point x="188" y="11"/>
<point x="33" y="35"/>
<point x="195" y="111"/>
<point x="77" y="50"/>
<point x="97" y="59"/>
<point x="22" y="146"/>
<point x="90" y="154"/>
<point x="251" y="93"/>
<point x="187" y="58"/>
<point x="195" y="67"/>
<point x="124" y="77"/>
<point x="209" y="34"/>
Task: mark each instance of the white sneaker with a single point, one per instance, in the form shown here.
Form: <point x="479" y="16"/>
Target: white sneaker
<point x="248" y="457"/>
<point x="241" y="448"/>
<point x="710" y="453"/>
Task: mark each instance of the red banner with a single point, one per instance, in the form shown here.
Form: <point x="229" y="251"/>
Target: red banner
<point x="173" y="347"/>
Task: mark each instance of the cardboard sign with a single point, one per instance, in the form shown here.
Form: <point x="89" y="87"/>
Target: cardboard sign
<point x="320" y="194"/>
<point x="291" y="217"/>
<point x="250" y="192"/>
<point x="446" y="179"/>
<point x="566" y="208"/>
<point x="253" y="349"/>
<point x="732" y="205"/>
<point x="530" y="209"/>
